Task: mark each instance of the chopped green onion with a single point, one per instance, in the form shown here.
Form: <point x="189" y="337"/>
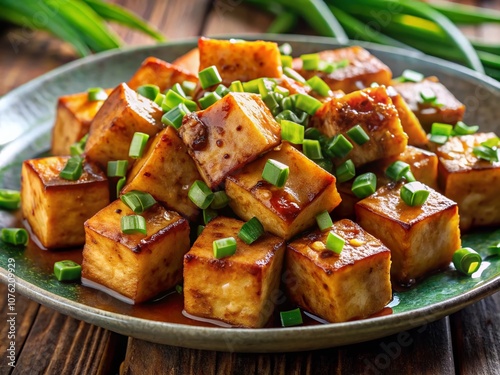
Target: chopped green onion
<point x="209" y="214"/>
<point x="265" y="86"/>
<point x="133" y="224"/>
<point x="178" y="89"/>
<point x="236" y="86"/>
<point x="117" y="168"/>
<point x="200" y="194"/>
<point x="73" y="169"/>
<point x="67" y="270"/>
<point x="364" y="185"/>
<point x="275" y="173"/>
<point x="209" y="77"/>
<point x="287" y="115"/>
<point x="334" y="242"/>
<point x="288" y="103"/>
<point x="188" y="87"/>
<point x="14" y="236"/>
<point x="96" y="94"/>
<point x="345" y="171"/>
<point x="148" y="91"/>
<point x="291" y="318"/>
<point x="486" y="153"/>
<point x="285" y="49"/>
<point x="199" y="229"/>
<point x="159" y="99"/>
<point x="271" y="102"/>
<point x="466" y="260"/>
<point x="324" y="220"/>
<point x="252" y="86"/>
<point x="339" y="146"/>
<point x="138" y="144"/>
<point x="138" y="201"/>
<point x="221" y="200"/>
<point x="178" y="288"/>
<point x="312" y="149"/>
<point x="251" y="231"/>
<point x="397" y="170"/>
<point x="175" y="116"/>
<point x="414" y="193"/>
<point x="208" y="100"/>
<point x="286" y="61"/>
<point x="77" y="148"/>
<point x="494" y="249"/>
<point x="330" y="67"/>
<point x="438" y="139"/>
<point x="119" y="185"/>
<point x="428" y="95"/>
<point x="307" y="104"/>
<point x="290" y="73"/>
<point x="173" y="99"/>
<point x="439" y="128"/>
<point x="224" y="247"/>
<point x="222" y="90"/>
<point x="10" y="199"/>
<point x="409" y="177"/>
<point x="358" y="135"/>
<point x="326" y="164"/>
<point x="310" y="61"/>
<point x="292" y="132"/>
<point x="412" y="76"/>
<point x="312" y="133"/>
<point x="318" y="85"/>
<point x="281" y="90"/>
<point x="491" y="143"/>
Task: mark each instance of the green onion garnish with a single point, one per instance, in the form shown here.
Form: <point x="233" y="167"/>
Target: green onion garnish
<point x="286" y="61"/>
<point x="275" y="173"/>
<point x="334" y="242"/>
<point x="345" y="171"/>
<point x="312" y="149"/>
<point x="208" y="100"/>
<point x="175" y="116"/>
<point x="288" y="103"/>
<point x="209" y="76"/>
<point x="200" y="194"/>
<point x="412" y="76"/>
<point x="281" y="90"/>
<point x="209" y="214"/>
<point x="173" y="99"/>
<point x="251" y="231"/>
<point x="10" y="199"/>
<point x="252" y="86"/>
<point x="178" y="288"/>
<point x="364" y="185"/>
<point x="491" y="143"/>
<point x="486" y="153"/>
<point x="467" y="261"/>
<point x="409" y="177"/>
<point x="138" y="144"/>
<point x="438" y="139"/>
<point x="324" y="220"/>
<point x="307" y="103"/>
<point x="291" y="318"/>
<point x="318" y="85"/>
<point x="285" y="49"/>
<point x="265" y="86"/>
<point x="310" y="61"/>
<point x="224" y="247"/>
<point x="494" y="249"/>
<point x="117" y="168"/>
<point x="290" y="73"/>
<point x="428" y="95"/>
<point x="358" y="135"/>
<point x="96" y="93"/>
<point x="339" y="146"/>
<point x="133" y="224"/>
<point x="414" y="193"/>
<point x="77" y="148"/>
<point x="326" y="164"/>
<point x="292" y="132"/>
<point x="188" y="87"/>
<point x="179" y="90"/>
<point x="270" y="101"/>
<point x="73" y="169"/>
<point x="222" y="90"/>
<point x="236" y="86"/>
<point x="14" y="236"/>
<point x="199" y="229"/>
<point x="159" y="99"/>
<point x="397" y="170"/>
<point x="138" y="201"/>
<point x="148" y="91"/>
<point x="119" y="185"/>
<point x="439" y="128"/>
<point x="221" y="200"/>
<point x="67" y="270"/>
<point x="312" y="133"/>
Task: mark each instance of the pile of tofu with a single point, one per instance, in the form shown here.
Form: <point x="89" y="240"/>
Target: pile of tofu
<point x="227" y="146"/>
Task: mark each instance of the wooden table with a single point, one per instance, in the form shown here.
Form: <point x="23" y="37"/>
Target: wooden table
<point x="48" y="342"/>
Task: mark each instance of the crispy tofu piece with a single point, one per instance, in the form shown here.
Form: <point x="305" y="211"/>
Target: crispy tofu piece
<point x="158" y="72"/>
<point x="239" y="289"/>
<point x="339" y="287"/>
<point x="374" y="111"/>
<point x="411" y="126"/>
<point x="240" y="60"/>
<point x="136" y="266"/>
<point x="422" y="239"/>
<point x="362" y="71"/>
<point x="56" y="208"/>
<point x="122" y="114"/>
<point x="449" y="111"/>
<point x="283" y="211"/>
<point x="166" y="171"/>
<point x="228" y="134"/>
<point x="73" y="117"/>
<point x="190" y="61"/>
<point x="471" y="182"/>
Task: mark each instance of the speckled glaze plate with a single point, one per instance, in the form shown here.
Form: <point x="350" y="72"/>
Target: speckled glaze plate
<point x="26" y="118"/>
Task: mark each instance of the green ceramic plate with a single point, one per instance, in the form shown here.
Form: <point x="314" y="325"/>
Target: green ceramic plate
<point x="26" y="117"/>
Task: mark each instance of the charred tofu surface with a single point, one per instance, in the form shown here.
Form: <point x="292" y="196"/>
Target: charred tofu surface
<point x="283" y="211"/>
<point x="232" y="132"/>
<point x="339" y="287"/>
<point x="361" y="71"/>
<point x="238" y="289"/>
<point x="136" y="266"/>
<point x="471" y="182"/>
<point x="422" y="239"/>
<point x="122" y="114"/>
<point x="166" y="171"/>
<point x="56" y="208"/>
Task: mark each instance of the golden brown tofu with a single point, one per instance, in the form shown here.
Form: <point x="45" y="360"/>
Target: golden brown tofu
<point x="136" y="266"/>
<point x="190" y="61"/>
<point x="363" y="69"/>
<point x="409" y="122"/>
<point x="240" y="60"/>
<point x="339" y="287"/>
<point x="422" y="239"/>
<point x="471" y="182"/>
<point x="228" y="134"/>
<point x="166" y="171"/>
<point x="158" y="72"/>
<point x="122" y="114"/>
<point x="449" y="110"/>
<point x="73" y="117"/>
<point x="56" y="208"/>
<point x="285" y="211"/>
<point x="239" y="289"/>
<point x="373" y="110"/>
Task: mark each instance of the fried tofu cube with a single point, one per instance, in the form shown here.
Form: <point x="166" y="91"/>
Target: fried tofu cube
<point x="73" y="117"/>
<point x="361" y="70"/>
<point x="136" y="266"/>
<point x="190" y="61"/>
<point x="240" y="289"/>
<point x="471" y="182"/>
<point x="240" y="60"/>
<point x="122" y="114"/>
<point x="285" y="211"/>
<point x="158" y="72"/>
<point x="228" y="134"/>
<point x="56" y="208"/>
<point x="448" y="109"/>
<point x="374" y="111"/>
<point x="422" y="239"/>
<point x="166" y="171"/>
<point x="339" y="287"/>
